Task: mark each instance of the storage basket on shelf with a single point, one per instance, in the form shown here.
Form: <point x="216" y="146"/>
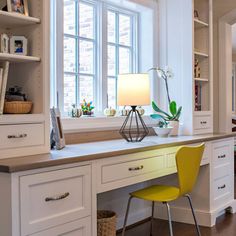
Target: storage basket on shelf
<point x="106" y="223"/>
<point x="17" y="107"/>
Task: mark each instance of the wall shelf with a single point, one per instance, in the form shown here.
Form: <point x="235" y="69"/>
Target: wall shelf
<point x="18" y="58"/>
<point x="201" y="54"/>
<point x="14" y="20"/>
<point x="200" y="24"/>
<point x="201" y="79"/>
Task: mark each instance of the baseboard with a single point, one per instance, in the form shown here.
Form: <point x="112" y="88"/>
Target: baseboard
<point x="184" y="215"/>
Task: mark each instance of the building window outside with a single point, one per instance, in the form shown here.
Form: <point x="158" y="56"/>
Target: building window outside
<point x="82" y="51"/>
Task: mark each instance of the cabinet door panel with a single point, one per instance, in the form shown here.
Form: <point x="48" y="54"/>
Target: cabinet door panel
<point x="52" y="198"/>
<point x="76" y="228"/>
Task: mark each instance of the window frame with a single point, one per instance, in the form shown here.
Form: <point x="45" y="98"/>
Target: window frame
<point x="100" y="69"/>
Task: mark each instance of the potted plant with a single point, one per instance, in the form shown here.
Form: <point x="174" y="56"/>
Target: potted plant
<point x="87" y="108"/>
<point x="163" y="129"/>
<point x="172" y="117"/>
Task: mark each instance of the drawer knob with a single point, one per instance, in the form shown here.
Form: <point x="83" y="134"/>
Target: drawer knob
<point x="136" y="168"/>
<point x="17" y="136"/>
<point x="222" y="187"/>
<point x="203" y="122"/>
<point x="57" y="198"/>
<point x="222" y="156"/>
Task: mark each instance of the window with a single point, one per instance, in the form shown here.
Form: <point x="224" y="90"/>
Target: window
<point x="234" y="88"/>
<point x="93" y="60"/>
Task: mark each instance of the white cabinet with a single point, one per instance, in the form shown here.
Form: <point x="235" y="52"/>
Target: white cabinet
<point x="222" y="172"/>
<point x="76" y="228"/>
<point x="54" y="198"/>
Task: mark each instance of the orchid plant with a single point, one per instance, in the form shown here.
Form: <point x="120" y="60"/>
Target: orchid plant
<point x="174" y="111"/>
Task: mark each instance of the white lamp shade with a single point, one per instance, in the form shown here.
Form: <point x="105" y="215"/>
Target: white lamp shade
<point x="133" y="90"/>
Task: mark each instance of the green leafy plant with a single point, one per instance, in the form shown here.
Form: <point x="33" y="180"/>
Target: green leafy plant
<point x="174" y="112"/>
<point x="86" y="106"/>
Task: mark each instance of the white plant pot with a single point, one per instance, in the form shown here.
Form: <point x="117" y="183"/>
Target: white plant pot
<point x="175" y="126"/>
<point x="162" y="132"/>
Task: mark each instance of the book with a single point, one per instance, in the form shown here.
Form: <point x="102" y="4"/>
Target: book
<point x="1" y="79"/>
<point x="4" y="85"/>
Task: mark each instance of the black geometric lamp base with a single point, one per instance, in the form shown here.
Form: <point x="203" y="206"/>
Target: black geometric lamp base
<point x="134" y="129"/>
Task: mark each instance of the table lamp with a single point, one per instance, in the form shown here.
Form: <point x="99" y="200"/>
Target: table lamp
<point x="133" y="90"/>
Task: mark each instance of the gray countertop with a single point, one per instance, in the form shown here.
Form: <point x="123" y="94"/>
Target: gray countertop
<point x="99" y="150"/>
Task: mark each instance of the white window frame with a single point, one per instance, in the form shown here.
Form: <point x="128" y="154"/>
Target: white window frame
<point x="100" y="76"/>
<point x="71" y="125"/>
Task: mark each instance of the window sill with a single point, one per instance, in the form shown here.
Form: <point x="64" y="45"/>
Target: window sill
<point x="88" y="124"/>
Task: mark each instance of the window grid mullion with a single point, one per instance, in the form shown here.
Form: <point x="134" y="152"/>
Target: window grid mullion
<point x="77" y="54"/>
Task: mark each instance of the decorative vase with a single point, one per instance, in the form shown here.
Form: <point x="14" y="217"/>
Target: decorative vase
<point x="163" y="132"/>
<point x="87" y="113"/>
<point x="175" y="125"/>
<point x="141" y="110"/>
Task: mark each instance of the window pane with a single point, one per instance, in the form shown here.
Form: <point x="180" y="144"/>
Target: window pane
<point x="111" y="28"/>
<point x="86" y="20"/>
<point x="124" y="61"/>
<point x="111" y="56"/>
<point x="86" y="88"/>
<point x="111" y="92"/>
<point x="69" y="91"/>
<point x="69" y="54"/>
<point x="69" y="17"/>
<point x="125" y="30"/>
<point x="86" y="57"/>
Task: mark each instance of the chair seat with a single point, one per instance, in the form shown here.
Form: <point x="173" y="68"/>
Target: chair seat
<point x="157" y="193"/>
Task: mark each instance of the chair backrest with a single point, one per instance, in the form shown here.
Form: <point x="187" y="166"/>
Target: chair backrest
<point x="188" y="160"/>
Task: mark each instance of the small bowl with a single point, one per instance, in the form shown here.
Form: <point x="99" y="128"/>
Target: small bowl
<point x="162" y="132"/>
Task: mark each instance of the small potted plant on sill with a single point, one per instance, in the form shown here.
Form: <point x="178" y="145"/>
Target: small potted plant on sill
<point x="87" y="108"/>
<point x="171" y="118"/>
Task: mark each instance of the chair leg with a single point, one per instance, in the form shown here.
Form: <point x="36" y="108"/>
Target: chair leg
<point x="126" y="216"/>
<point x="169" y="218"/>
<point x="194" y="216"/>
<point x="151" y="228"/>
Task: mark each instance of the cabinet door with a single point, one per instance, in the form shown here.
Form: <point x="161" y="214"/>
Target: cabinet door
<point x="53" y="198"/>
<point x="76" y="228"/>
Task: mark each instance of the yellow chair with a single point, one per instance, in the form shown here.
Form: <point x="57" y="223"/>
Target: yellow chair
<point x="188" y="160"/>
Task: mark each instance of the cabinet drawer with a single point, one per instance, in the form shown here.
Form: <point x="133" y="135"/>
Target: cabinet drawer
<point x="54" y="198"/>
<point x="222" y="188"/>
<point x="221" y="171"/>
<point x="222" y="152"/>
<point x="15" y="136"/>
<point x="202" y="122"/>
<point x="118" y="171"/>
<point x="75" y="228"/>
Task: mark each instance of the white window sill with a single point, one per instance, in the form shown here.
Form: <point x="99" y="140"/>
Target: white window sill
<point x="87" y="124"/>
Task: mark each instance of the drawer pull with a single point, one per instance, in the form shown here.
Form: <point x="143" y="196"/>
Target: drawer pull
<point x="17" y="136"/>
<point x="203" y="122"/>
<point x="222" y="187"/>
<point x="222" y="156"/>
<point x="57" y="198"/>
<point x="136" y="168"/>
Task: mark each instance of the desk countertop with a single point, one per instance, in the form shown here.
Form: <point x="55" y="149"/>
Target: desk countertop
<point x="98" y="150"/>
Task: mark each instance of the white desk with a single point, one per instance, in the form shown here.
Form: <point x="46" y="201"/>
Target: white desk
<point x="82" y="174"/>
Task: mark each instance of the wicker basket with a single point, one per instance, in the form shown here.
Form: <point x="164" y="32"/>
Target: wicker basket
<point x="106" y="223"/>
<point x="17" y="107"/>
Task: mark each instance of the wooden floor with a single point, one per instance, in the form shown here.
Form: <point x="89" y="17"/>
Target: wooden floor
<point x="226" y="226"/>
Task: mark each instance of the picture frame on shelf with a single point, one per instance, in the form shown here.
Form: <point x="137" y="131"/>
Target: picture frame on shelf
<point x="19" y="45"/>
<point x="18" y="6"/>
<point x="57" y="135"/>
<point x="4" y="46"/>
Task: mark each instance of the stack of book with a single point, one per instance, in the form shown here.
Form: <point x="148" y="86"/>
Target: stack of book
<point x="4" y="69"/>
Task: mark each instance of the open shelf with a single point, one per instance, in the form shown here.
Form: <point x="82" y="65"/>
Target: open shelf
<point x="201" y="79"/>
<point x="14" y="20"/>
<point x="200" y="24"/>
<point x="21" y="118"/>
<point x="17" y="58"/>
<point x="201" y="54"/>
